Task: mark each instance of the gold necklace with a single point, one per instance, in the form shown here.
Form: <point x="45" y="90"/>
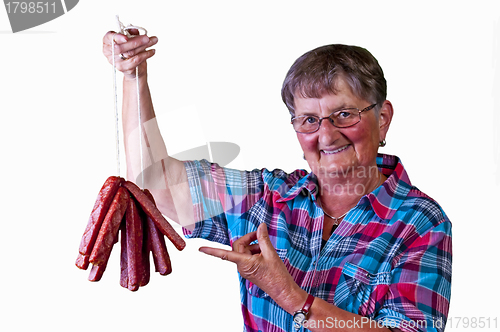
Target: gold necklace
<point x="336" y="222"/>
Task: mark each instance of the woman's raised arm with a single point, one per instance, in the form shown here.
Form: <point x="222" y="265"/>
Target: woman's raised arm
<point x="164" y="176"/>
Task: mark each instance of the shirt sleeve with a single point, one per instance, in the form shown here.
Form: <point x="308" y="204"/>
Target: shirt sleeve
<point x="419" y="295"/>
<point x="220" y="196"/>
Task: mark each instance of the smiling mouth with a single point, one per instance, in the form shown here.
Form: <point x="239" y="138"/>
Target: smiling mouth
<point x="337" y="150"/>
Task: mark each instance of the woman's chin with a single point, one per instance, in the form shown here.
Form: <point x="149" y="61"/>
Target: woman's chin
<point x="334" y="165"/>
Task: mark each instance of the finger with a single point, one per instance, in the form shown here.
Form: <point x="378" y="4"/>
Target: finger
<point x="130" y="63"/>
<point x="246" y="239"/>
<point x="266" y="247"/>
<point x="132" y="53"/>
<point x="108" y="39"/>
<point x="242" y="245"/>
<point x="254" y="248"/>
<point x="223" y="254"/>
<point x="133" y="31"/>
<point x="243" y="248"/>
<point x="118" y="38"/>
<point x="131" y="45"/>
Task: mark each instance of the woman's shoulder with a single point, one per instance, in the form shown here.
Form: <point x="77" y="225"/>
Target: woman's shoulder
<point x="408" y="202"/>
<point x="273" y="179"/>
<point x="423" y="212"/>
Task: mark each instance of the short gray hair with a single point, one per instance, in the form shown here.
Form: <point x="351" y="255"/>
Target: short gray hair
<point x="316" y="73"/>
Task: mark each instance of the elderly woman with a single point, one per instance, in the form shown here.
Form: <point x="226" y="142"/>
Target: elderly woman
<point x="351" y="245"/>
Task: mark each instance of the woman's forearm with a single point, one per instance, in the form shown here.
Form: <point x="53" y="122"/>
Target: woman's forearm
<point x="164" y="176"/>
<point x="324" y="316"/>
<point x="131" y="122"/>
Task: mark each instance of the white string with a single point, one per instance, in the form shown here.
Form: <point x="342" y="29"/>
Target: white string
<point x="140" y="123"/>
<point x="124" y="30"/>
<point x="117" y="131"/>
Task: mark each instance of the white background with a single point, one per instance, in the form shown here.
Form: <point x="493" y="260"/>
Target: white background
<point x="219" y="67"/>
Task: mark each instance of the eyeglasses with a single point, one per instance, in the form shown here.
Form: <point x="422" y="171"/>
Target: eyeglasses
<point x="343" y="118"/>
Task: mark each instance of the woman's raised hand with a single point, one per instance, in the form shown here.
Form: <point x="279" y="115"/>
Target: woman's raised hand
<point x="133" y="49"/>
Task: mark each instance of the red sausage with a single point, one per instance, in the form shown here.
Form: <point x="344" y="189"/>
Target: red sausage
<point x="110" y="226"/>
<point x="96" y="272"/>
<point x="152" y="212"/>
<point x="101" y="206"/>
<point x="82" y="261"/>
<point x="134" y="245"/>
<point x="161" y="257"/>
<point x="123" y="255"/>
<point x="144" y="273"/>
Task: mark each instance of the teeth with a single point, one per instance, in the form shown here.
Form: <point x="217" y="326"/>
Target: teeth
<point x="336" y="151"/>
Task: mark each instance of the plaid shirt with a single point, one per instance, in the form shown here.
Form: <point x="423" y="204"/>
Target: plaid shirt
<point x="389" y="260"/>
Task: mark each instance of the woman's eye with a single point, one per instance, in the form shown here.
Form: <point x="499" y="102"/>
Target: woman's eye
<point x="310" y="119"/>
<point x="344" y="114"/>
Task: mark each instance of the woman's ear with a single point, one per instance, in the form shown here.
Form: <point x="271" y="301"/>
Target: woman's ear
<point x="385" y="118"/>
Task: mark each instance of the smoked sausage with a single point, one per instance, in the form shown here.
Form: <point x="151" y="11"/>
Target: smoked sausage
<point x="110" y="226"/>
<point x="134" y="245"/>
<point x="150" y="209"/>
<point x="123" y="255"/>
<point x="161" y="257"/>
<point x="101" y="207"/>
<point x="82" y="261"/>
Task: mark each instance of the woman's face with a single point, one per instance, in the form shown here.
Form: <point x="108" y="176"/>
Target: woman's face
<point x="337" y="151"/>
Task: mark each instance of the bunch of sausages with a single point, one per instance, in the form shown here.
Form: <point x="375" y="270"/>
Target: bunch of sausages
<point x="123" y="210"/>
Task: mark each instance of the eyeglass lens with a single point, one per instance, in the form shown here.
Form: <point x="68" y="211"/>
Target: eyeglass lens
<point x="311" y="123"/>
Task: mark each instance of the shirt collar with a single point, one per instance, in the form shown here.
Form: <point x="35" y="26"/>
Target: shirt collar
<point x="385" y="200"/>
<point x="307" y="185"/>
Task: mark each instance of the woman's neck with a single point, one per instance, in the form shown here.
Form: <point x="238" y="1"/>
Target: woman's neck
<point x="341" y="192"/>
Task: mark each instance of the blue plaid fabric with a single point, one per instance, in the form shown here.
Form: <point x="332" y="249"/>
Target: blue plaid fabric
<point x="389" y="260"/>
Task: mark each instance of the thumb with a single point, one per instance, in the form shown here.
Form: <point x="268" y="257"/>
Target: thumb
<point x="119" y="38"/>
<point x="265" y="244"/>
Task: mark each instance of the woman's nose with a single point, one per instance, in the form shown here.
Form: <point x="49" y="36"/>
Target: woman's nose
<point x="327" y="132"/>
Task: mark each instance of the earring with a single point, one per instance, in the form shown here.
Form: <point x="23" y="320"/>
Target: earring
<point x="382" y="144"/>
<point x="304" y="156"/>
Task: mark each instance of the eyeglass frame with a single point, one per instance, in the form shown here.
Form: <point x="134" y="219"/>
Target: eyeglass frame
<point x="328" y="117"/>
